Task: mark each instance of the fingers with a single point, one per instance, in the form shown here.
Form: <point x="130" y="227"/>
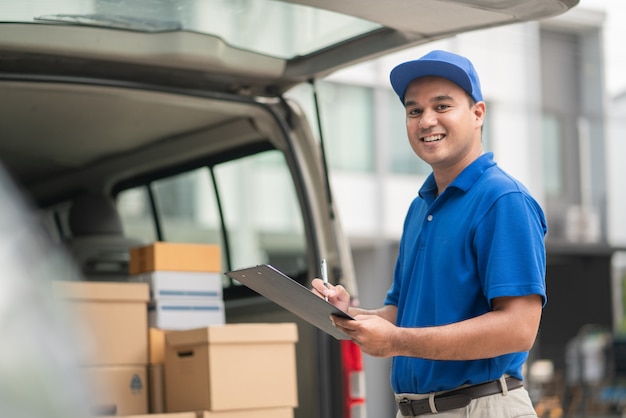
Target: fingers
<point x="319" y="288"/>
<point x="371" y="333"/>
<point x="347" y="326"/>
<point x="337" y="295"/>
<point x="344" y="324"/>
<point x="329" y="290"/>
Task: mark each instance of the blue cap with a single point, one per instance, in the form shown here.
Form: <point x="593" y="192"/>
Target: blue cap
<point x="437" y="63"/>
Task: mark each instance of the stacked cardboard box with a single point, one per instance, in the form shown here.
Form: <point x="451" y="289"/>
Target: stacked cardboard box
<point x="156" y="371"/>
<point x="185" y="293"/>
<point x="176" y="415"/>
<point x="146" y="365"/>
<point x="185" y="284"/>
<point x="263" y="413"/>
<point x="232" y="371"/>
<point x="113" y="353"/>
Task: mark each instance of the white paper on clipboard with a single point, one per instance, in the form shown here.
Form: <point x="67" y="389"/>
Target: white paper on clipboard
<point x="291" y="295"/>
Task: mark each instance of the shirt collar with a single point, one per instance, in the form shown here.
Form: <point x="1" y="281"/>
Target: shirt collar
<point x="463" y="181"/>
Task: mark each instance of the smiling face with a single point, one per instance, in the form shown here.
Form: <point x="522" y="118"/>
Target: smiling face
<point x="443" y="124"/>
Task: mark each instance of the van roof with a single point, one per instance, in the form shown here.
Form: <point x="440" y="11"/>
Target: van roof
<point x="263" y="46"/>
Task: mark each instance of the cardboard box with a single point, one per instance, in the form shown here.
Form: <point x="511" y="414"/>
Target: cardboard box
<point x="117" y="390"/>
<point x="250" y="413"/>
<point x="114" y="321"/>
<point x="156" y="341"/>
<point x="156" y="388"/>
<point x="231" y="367"/>
<point x="174" y="415"/>
<point x="156" y="371"/>
<point x="183" y="314"/>
<point x="169" y="256"/>
<point x="182" y="284"/>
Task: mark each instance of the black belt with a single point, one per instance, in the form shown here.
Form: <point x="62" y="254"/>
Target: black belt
<point x="455" y="399"/>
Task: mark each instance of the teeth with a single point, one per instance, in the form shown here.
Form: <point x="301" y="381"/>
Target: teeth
<point x="432" y="138"/>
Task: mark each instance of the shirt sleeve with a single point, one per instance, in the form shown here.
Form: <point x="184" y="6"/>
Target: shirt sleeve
<point x="510" y="247"/>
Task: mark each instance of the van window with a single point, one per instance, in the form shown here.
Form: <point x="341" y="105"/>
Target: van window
<point x="262" y="220"/>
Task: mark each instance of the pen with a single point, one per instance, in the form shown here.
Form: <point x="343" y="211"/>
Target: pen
<point x="325" y="276"/>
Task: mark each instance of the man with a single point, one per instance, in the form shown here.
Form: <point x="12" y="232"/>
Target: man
<point x="469" y="283"/>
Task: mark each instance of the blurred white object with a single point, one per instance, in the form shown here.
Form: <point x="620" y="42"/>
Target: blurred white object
<point x="541" y="371"/>
<point x="38" y="374"/>
<point x="582" y="224"/>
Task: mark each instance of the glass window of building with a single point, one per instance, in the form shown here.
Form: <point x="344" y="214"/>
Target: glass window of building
<point x="574" y="170"/>
<point x="348" y="123"/>
<point x="552" y="164"/>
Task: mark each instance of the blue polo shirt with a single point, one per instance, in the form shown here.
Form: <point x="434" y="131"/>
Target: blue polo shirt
<point x="482" y="238"/>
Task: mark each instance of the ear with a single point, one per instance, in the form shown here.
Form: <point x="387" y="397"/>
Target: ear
<point x="479" y="109"/>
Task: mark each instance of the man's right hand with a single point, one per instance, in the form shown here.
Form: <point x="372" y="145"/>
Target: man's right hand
<point x="337" y="295"/>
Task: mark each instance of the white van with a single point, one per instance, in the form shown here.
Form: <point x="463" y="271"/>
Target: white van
<point x="175" y="110"/>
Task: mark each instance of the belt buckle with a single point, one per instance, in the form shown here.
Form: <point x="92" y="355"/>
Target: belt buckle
<point x="404" y="405"/>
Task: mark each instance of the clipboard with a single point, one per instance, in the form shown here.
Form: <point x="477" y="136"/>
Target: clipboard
<point x="291" y="295"/>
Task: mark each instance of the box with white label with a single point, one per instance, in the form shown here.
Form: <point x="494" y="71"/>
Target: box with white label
<point x="182" y="284"/>
<point x="185" y="313"/>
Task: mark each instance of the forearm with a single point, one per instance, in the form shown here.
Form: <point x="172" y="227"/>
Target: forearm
<point x="467" y="340"/>
<point x="495" y="333"/>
